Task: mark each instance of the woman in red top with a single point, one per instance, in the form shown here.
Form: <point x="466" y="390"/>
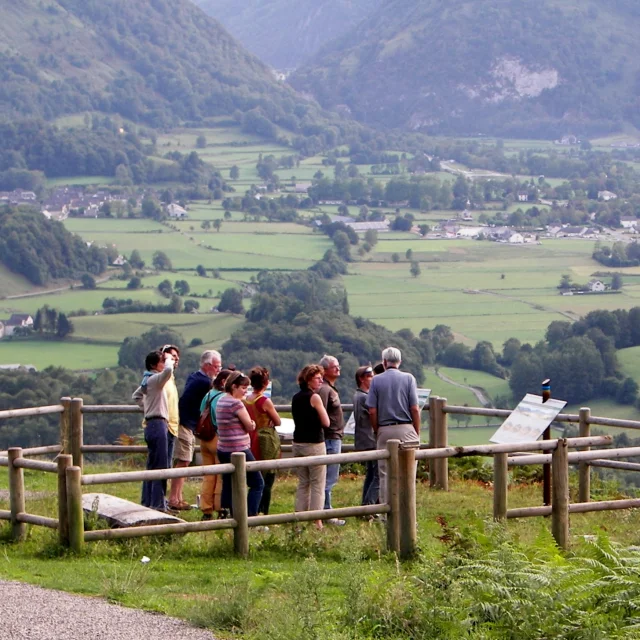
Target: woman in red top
<point x="265" y="442"/>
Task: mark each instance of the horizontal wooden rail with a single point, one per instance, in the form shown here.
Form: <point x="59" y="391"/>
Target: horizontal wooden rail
<point x="111" y="408"/>
<point x="114" y="448"/>
<point x="31" y="411"/>
<point x="41" y="451"/>
<point x="322" y="514"/>
<point x="5" y="515"/>
<point x="31" y="518"/>
<point x="613" y="422"/>
<point x="4" y="462"/>
<point x="604" y="505"/>
<point x="156" y="474"/>
<point x="314" y="461"/>
<point x="577" y="456"/>
<point x="36" y="465"/>
<point x="614" y="464"/>
<point x="529" y="512"/>
<point x="491" y="449"/>
<point x="230" y="523"/>
<point x="158" y="529"/>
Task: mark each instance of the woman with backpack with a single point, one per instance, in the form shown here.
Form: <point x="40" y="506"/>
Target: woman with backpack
<point x="265" y="441"/>
<point x="211" y="492"/>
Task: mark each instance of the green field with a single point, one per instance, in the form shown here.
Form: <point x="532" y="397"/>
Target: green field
<point x="45" y="353"/>
<point x="482" y="290"/>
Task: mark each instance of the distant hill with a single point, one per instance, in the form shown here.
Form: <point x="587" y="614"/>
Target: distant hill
<point x="509" y="67"/>
<point x="154" y="61"/>
<point x="284" y="33"/>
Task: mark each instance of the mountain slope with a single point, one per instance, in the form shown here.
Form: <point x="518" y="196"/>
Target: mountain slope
<point x="284" y="33"/>
<point x="153" y="61"/>
<point x="514" y="67"/>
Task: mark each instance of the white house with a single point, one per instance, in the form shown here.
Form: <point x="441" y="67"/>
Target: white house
<point x="606" y="195"/>
<point x="15" y="321"/>
<point x="176" y="212"/>
<point x="629" y="222"/>
<point x="119" y="261"/>
<point x="596" y="285"/>
<point x="516" y="238"/>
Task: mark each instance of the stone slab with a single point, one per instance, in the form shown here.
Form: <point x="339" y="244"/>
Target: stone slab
<point x="124" y="513"/>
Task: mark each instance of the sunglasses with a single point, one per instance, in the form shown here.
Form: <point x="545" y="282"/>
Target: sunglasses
<point x="170" y="347"/>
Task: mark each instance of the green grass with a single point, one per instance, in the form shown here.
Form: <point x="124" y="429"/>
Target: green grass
<point x="212" y="329"/>
<point x="310" y="585"/>
<point x="69" y="354"/>
<point x="80" y="181"/>
<point x="13" y="283"/>
<point x="462" y="285"/>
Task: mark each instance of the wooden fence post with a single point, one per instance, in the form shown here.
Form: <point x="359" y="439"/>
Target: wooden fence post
<point x="500" y="486"/>
<point x="239" y="502"/>
<point x="75" y="513"/>
<point x="432" y="437"/>
<point x="77" y="432"/>
<point x="16" y="495"/>
<point x="64" y="462"/>
<point x="393" y="496"/>
<point x="65" y="425"/>
<point x="441" y="465"/>
<point x="560" y="494"/>
<point x="584" y="468"/>
<point x="407" y="512"/>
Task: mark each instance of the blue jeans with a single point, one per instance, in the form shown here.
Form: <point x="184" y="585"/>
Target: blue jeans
<point x="154" y="491"/>
<point x="371" y="488"/>
<point x="333" y="470"/>
<point x="254" y="481"/>
<point x="171" y="441"/>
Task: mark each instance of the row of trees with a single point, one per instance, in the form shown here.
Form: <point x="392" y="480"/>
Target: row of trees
<point x="50" y="321"/>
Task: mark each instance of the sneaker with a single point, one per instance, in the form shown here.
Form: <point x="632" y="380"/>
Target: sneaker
<point x="336" y="522"/>
<point x="207" y="516"/>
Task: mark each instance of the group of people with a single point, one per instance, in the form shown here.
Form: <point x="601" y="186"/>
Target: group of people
<point x="385" y="407"/>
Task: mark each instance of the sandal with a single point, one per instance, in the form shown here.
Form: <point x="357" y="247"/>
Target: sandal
<point x="181" y="506"/>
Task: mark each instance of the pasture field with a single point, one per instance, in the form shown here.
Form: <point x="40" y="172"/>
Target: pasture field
<point x="212" y="328"/>
<point x="492" y="385"/>
<point x="51" y="353"/>
<point x="12" y="283"/>
<point x="482" y="290"/>
<point x="629" y="360"/>
<point x="79" y="181"/>
<point x="188" y="250"/>
<point x="73" y="300"/>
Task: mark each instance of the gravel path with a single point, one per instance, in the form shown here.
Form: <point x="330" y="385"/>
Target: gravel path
<point x="34" y="613"/>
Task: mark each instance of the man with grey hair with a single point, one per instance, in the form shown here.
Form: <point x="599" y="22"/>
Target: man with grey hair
<point x="197" y="386"/>
<point x="333" y="434"/>
<point x="393" y="407"/>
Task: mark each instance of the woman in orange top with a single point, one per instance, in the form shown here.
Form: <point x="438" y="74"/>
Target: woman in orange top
<point x="265" y="442"/>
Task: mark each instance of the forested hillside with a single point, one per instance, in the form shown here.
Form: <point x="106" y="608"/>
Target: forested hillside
<point x="510" y="67"/>
<point x="154" y="61"/>
<point x="285" y="33"/>
<point x="42" y="249"/>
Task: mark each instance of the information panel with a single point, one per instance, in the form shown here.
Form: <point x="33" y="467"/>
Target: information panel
<point x="528" y="420"/>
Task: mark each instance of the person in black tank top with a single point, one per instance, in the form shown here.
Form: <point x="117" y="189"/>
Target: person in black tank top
<point x="310" y="419"/>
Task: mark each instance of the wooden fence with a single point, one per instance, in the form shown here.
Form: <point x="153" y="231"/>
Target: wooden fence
<point x="400" y="509"/>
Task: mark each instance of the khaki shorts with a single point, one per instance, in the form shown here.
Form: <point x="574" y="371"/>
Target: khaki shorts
<point x="185" y="445"/>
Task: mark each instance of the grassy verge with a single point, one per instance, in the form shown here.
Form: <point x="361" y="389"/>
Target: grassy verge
<point x="472" y="578"/>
